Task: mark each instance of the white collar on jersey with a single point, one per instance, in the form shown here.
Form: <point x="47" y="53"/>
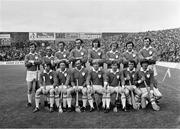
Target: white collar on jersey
<point x="49" y="56"/>
<point x="131" y="70"/>
<point x="111" y="51"/>
<point x="141" y="69"/>
<point x="32" y="53"/>
<point x="147" y="48"/>
<point x="79" y="48"/>
<point x="79" y="69"/>
<point x="130" y="52"/>
<point x="63" y="71"/>
<point x="62" y="51"/>
<point x="113" y="71"/>
<point x="99" y="69"/>
<point x="48" y="72"/>
<point x="96" y="49"/>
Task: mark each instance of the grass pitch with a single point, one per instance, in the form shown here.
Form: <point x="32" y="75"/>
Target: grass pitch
<point x="13" y="112"/>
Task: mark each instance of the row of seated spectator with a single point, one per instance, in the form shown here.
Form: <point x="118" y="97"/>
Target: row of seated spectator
<point x="167" y="43"/>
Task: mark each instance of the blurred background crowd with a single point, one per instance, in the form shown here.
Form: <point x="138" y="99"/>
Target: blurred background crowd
<point x="167" y="43"/>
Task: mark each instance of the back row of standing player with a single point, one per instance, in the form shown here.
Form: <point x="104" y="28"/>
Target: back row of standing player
<point x="114" y="79"/>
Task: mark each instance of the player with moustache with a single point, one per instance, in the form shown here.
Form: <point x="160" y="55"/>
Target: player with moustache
<point x="32" y="63"/>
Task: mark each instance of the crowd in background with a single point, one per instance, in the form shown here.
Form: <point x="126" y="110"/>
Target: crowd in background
<point x="167" y="43"/>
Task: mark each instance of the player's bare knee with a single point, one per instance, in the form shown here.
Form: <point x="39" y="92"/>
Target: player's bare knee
<point x="84" y="91"/>
<point x="126" y="92"/>
<point x="51" y="92"/>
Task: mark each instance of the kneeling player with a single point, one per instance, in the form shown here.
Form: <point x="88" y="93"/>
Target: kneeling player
<point x="130" y="89"/>
<point x="78" y="81"/>
<point x="46" y="86"/>
<point x="112" y="87"/>
<point x="63" y="87"/>
<point x="95" y="81"/>
<point x="144" y="80"/>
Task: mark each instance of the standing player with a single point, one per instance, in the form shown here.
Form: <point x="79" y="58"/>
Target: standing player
<point x="95" y="81"/>
<point x="129" y="54"/>
<point x="62" y="54"/>
<point x="42" y="51"/>
<point x="129" y="74"/>
<point x="78" y="53"/>
<point x="144" y="80"/>
<point x="63" y="87"/>
<point x="32" y="63"/>
<point x="113" y="55"/>
<point x="149" y="53"/>
<point x="112" y="86"/>
<point x="78" y="81"/>
<point x="46" y="81"/>
<point x="96" y="53"/>
<point x="49" y="58"/>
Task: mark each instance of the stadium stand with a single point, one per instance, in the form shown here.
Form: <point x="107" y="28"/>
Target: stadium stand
<point x="165" y="41"/>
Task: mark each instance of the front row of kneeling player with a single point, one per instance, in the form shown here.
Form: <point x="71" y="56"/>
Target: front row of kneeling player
<point x="104" y="89"/>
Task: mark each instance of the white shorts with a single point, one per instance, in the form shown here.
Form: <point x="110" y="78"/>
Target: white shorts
<point x="132" y="87"/>
<point x="144" y="90"/>
<point x="157" y="93"/>
<point x="48" y="87"/>
<point x="31" y="75"/>
<point x="63" y="89"/>
<point x="116" y="89"/>
<point x="98" y="88"/>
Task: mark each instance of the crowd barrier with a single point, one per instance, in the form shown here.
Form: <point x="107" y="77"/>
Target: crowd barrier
<point x="11" y="62"/>
<point x="158" y="63"/>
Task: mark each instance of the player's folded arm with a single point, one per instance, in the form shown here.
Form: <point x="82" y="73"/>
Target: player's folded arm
<point x="55" y="79"/>
<point x="41" y="80"/>
<point x="151" y="80"/>
<point x="136" y="78"/>
<point x="88" y="77"/>
<point x="67" y="80"/>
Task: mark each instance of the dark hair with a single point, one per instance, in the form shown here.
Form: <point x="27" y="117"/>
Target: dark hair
<point x="96" y="41"/>
<point x="62" y="43"/>
<point x="80" y="40"/>
<point x="63" y="61"/>
<point x="78" y="60"/>
<point x="114" y="62"/>
<point x="133" y="61"/>
<point x="33" y="43"/>
<point x="147" y="38"/>
<point x="114" y="43"/>
<point x="144" y="61"/>
<point x="48" y="48"/>
<point x="130" y="42"/>
<point x="47" y="64"/>
<point x="95" y="62"/>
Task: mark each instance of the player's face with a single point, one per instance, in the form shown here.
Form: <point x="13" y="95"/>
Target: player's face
<point x="47" y="68"/>
<point x="114" y="46"/>
<point x="96" y="66"/>
<point x="131" y="66"/>
<point x="114" y="67"/>
<point x="144" y="66"/>
<point x="78" y="64"/>
<point x="78" y="43"/>
<point x="32" y="48"/>
<point x="49" y="51"/>
<point x="95" y="45"/>
<point x="129" y="47"/>
<point x="147" y="42"/>
<point x="61" y="46"/>
<point x="43" y="44"/>
<point x="62" y="66"/>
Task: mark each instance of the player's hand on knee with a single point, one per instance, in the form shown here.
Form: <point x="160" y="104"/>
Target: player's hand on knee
<point x="44" y="91"/>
